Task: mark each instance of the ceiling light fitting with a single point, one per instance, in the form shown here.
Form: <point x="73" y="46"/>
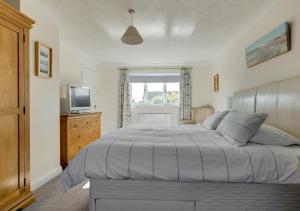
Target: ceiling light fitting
<point x="131" y="35"/>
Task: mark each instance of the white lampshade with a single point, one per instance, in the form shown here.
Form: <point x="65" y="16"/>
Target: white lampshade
<point x="132" y="36"/>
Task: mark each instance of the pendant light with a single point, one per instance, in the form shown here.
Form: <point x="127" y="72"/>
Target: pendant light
<point x="131" y="35"/>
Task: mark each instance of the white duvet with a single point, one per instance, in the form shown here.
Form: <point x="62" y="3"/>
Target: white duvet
<point x="181" y="153"/>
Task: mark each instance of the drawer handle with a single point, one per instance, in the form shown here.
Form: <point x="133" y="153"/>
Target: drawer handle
<point x="87" y="123"/>
<point x="79" y="148"/>
<point x="79" y="136"/>
<point x="75" y="125"/>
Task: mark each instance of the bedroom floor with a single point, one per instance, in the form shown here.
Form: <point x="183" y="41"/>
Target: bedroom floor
<point x="50" y="197"/>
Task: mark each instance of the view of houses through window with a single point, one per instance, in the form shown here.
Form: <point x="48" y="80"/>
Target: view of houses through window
<point x="155" y="93"/>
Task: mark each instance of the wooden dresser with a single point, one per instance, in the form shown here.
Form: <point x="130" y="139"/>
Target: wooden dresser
<point x="14" y="109"/>
<point x="77" y="131"/>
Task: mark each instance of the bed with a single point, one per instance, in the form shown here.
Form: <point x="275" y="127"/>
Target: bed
<point x="192" y="168"/>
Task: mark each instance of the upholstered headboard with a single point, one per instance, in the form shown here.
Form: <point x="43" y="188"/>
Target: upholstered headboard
<point x="281" y="100"/>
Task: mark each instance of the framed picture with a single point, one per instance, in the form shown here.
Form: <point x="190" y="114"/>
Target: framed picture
<point x="273" y="44"/>
<point x="43" y="60"/>
<point x="216" y="83"/>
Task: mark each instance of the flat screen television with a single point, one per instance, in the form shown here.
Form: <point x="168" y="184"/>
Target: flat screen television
<point x="79" y="98"/>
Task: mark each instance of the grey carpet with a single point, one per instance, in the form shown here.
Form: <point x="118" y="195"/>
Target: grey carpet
<point x="50" y="197"/>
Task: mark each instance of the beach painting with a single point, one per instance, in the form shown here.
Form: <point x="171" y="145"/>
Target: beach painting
<point x="269" y="46"/>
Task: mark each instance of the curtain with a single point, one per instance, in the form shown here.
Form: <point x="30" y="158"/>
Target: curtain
<point x="185" y="104"/>
<point x="124" y="113"/>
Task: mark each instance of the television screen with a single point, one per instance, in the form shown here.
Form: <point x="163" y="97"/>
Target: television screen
<point x="80" y="97"/>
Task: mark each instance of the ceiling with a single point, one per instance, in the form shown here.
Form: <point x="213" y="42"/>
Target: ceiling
<point x="174" y="31"/>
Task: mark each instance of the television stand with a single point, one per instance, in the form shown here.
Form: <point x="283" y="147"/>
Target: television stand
<point x="77" y="131"/>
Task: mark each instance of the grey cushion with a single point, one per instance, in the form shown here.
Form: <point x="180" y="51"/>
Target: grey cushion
<point x="269" y="135"/>
<point x="239" y="128"/>
<point x="214" y="120"/>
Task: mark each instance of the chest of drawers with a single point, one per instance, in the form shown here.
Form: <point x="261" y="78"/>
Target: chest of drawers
<point x="77" y="131"/>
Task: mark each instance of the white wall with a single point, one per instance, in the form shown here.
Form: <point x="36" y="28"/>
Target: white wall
<point x="201" y="84"/>
<point x="44" y="101"/>
<point x="231" y="64"/>
<point x="71" y="62"/>
<point x="44" y="93"/>
<point x="108" y="80"/>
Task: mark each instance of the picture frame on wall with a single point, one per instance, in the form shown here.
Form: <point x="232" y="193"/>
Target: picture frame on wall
<point x="43" y="60"/>
<point x="271" y="45"/>
<point x="216" y="83"/>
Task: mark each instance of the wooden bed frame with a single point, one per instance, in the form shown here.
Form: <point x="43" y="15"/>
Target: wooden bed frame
<point x="282" y="101"/>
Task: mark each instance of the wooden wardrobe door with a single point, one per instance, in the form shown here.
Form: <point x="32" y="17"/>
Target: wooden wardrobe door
<point x="12" y="172"/>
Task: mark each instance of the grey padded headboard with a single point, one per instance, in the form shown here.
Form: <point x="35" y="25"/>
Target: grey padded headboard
<point x="281" y="100"/>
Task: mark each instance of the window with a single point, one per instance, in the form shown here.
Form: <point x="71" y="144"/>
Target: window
<point x="137" y="92"/>
<point x="172" y="92"/>
<point x="155" y="93"/>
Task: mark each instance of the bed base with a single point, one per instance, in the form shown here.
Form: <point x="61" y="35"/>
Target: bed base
<point x="133" y="195"/>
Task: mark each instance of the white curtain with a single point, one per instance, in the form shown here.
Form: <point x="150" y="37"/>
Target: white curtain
<point x="124" y="114"/>
<point x="185" y="104"/>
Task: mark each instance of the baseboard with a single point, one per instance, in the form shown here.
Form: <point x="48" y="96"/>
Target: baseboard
<point x="35" y="184"/>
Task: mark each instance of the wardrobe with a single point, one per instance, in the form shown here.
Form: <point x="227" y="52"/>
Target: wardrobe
<point x="14" y="109"/>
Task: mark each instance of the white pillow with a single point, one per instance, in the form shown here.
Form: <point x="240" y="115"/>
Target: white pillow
<point x="214" y="120"/>
<point x="269" y="135"/>
<point x="238" y="128"/>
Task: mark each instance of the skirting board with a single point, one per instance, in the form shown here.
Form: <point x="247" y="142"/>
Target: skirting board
<point x="35" y="184"/>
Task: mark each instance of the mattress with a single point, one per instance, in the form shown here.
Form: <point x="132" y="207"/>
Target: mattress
<point x="181" y="153"/>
